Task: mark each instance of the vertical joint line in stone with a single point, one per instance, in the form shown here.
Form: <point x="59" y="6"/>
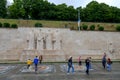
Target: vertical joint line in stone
<point x="35" y="42"/>
<point x="61" y="44"/>
<point x="44" y="43"/>
<point x="27" y="44"/>
<point x="53" y="43"/>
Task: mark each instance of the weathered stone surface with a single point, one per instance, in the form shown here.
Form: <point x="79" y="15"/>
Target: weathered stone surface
<point x="57" y="44"/>
<point x="77" y="68"/>
<point x="41" y="69"/>
<point x="4" y="69"/>
<point x="98" y="74"/>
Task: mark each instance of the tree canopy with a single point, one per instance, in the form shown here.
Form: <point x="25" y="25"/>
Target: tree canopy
<point x="44" y="10"/>
<point x="3" y="9"/>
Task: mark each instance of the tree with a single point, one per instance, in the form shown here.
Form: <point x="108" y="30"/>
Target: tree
<point x="27" y="6"/>
<point x="100" y="12"/>
<point x="114" y="15"/>
<point x="44" y="10"/>
<point x="3" y="9"/>
<point x="38" y="8"/>
<point x="16" y="10"/>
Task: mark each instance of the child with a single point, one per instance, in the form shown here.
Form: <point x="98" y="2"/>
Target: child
<point x="29" y="62"/>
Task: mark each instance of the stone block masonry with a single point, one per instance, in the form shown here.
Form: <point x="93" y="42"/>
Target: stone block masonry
<point x="57" y="44"/>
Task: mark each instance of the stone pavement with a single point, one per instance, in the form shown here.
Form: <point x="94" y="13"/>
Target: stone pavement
<point x="57" y="71"/>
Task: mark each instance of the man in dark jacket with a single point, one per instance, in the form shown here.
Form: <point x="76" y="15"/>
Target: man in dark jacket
<point x="87" y="62"/>
<point x="70" y="65"/>
<point x="104" y="61"/>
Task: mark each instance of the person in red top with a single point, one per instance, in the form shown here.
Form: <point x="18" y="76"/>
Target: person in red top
<point x="109" y="62"/>
<point x="79" y="61"/>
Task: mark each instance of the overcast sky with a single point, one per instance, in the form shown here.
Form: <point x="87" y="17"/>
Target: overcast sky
<point x="83" y="3"/>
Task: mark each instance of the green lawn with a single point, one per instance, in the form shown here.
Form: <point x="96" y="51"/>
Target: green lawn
<point x="58" y="24"/>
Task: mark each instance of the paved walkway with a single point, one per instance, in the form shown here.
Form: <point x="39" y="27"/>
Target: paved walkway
<point x="57" y="71"/>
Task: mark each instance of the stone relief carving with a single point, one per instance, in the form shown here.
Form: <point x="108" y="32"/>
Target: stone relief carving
<point x="111" y="49"/>
<point x="41" y="40"/>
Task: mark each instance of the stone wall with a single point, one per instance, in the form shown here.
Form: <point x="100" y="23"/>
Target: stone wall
<point x="57" y="44"/>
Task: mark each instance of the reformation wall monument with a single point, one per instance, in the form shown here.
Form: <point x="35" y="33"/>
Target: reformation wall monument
<point x="57" y="44"/>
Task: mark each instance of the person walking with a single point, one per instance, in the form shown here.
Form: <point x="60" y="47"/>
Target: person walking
<point x="40" y="59"/>
<point x="36" y="63"/>
<point x="104" y="61"/>
<point x="90" y="63"/>
<point x="109" y="62"/>
<point x="70" y="65"/>
<point x="79" y="61"/>
<point x="87" y="62"/>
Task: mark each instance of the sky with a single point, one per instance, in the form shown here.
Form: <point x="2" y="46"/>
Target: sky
<point x="83" y="3"/>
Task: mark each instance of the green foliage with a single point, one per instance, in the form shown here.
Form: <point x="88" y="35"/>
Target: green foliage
<point x="41" y="9"/>
<point x="3" y="9"/>
<point x="38" y="25"/>
<point x="44" y="10"/>
<point x="101" y="28"/>
<point x="92" y="27"/>
<point x="100" y="12"/>
<point x="118" y="28"/>
<point x="16" y="11"/>
<point x="84" y="27"/>
<point x="14" y="26"/>
<point x="0" y="24"/>
<point x="6" y="25"/>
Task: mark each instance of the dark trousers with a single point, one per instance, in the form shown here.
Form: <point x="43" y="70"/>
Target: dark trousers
<point x="87" y="69"/>
<point x="28" y="66"/>
<point x="40" y="61"/>
<point x="104" y="64"/>
<point x="36" y="67"/>
<point x="80" y="63"/>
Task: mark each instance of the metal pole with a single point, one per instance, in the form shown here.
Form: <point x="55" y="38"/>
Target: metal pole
<point x="79" y="19"/>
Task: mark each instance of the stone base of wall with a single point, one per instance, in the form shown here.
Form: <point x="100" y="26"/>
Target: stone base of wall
<point x="54" y="55"/>
<point x="48" y="55"/>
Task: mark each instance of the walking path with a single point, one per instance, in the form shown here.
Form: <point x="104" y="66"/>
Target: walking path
<point x="57" y="71"/>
